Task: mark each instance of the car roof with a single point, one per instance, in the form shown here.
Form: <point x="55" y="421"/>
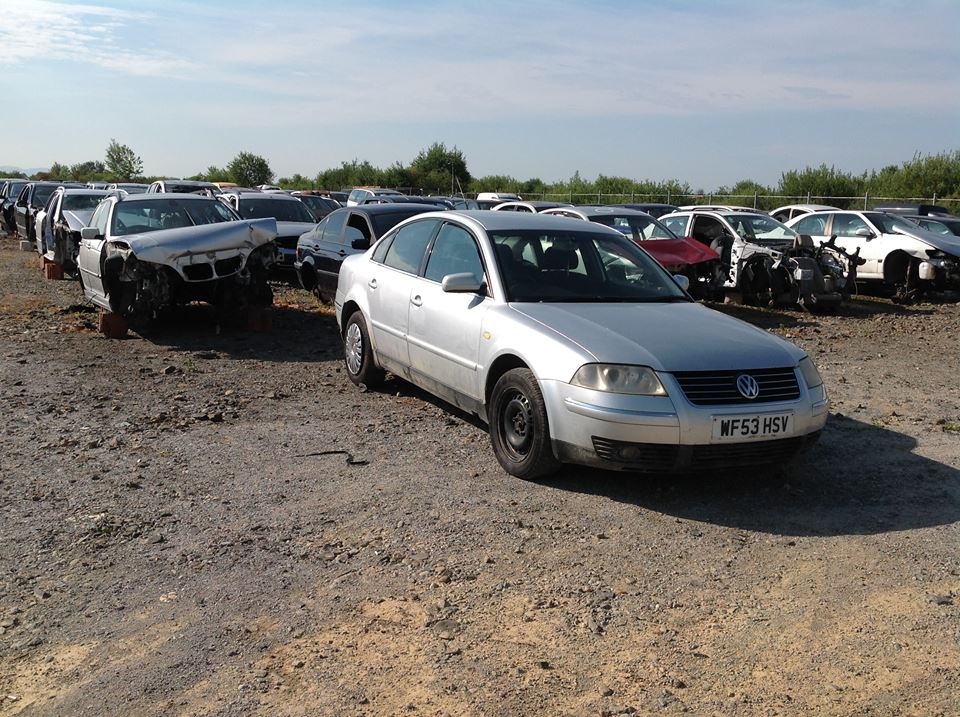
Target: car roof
<point x="282" y="196"/>
<point x="511" y="221"/>
<point x="391" y="208"/>
<point x="87" y="192"/>
<point x="161" y="196"/>
<point x="590" y="210"/>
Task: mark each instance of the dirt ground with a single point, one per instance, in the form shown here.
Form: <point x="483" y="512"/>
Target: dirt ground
<point x="220" y="523"/>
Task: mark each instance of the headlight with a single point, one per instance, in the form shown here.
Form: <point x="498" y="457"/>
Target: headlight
<point x="614" y="378"/>
<point x="810" y="374"/>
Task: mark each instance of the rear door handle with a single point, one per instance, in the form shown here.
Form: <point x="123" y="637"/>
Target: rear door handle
<point x="416" y="300"/>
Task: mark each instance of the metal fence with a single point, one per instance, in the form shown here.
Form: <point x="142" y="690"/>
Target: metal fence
<point x="756" y="201"/>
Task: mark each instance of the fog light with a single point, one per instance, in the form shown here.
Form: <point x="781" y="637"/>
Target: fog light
<point x="629" y="453"/>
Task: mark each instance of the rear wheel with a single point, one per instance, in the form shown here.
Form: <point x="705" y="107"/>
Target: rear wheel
<point x="358" y="354"/>
<point x="519" y="430"/>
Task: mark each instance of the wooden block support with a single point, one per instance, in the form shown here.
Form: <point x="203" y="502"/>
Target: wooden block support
<point x="52" y="270"/>
<point x="112" y="325"/>
<point x="27" y="245"/>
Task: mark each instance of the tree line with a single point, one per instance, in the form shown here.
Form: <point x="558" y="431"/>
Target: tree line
<point x="442" y="170"/>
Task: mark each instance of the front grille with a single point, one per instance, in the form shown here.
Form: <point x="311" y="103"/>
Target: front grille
<point x="287" y="242"/>
<point x="662" y="458"/>
<point x="198" y="272"/>
<point x="717" y="388"/>
<point x="225" y="267"/>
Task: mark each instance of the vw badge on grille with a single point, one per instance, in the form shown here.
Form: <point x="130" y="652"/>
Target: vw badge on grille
<point x="748" y="386"/>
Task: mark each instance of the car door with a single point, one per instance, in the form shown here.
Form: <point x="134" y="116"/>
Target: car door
<point x="445" y="327"/>
<point x="327" y="251"/>
<point x="678" y="225"/>
<point x="852" y="231"/>
<point x="91" y="255"/>
<point x="390" y="286"/>
<point x="22" y="210"/>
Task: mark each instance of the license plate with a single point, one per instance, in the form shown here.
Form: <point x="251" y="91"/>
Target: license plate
<point x="749" y="428"/>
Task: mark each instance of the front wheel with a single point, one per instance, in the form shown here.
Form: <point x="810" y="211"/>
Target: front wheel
<point x="519" y="430"/>
<point x="361" y="368"/>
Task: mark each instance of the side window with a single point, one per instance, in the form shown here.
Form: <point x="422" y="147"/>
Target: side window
<point x="846" y="225"/>
<point x="380" y="250"/>
<point x="406" y="251"/>
<point x="357" y="228"/>
<point x="335" y="222"/>
<point x="678" y="225"/>
<point x="454" y="252"/>
<point x="706" y="230"/>
<point x="812" y="226"/>
<point x="100" y="216"/>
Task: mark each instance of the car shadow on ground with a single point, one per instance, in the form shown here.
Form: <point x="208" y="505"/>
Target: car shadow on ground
<point x="295" y="333"/>
<point x="859" y="479"/>
<point x="782" y="318"/>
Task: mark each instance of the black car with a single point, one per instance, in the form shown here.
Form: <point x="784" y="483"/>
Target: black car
<point x="9" y="191"/>
<point x="350" y="230"/>
<point x="922" y="210"/>
<point x="319" y="205"/>
<point x="293" y="219"/>
<point x="32" y="199"/>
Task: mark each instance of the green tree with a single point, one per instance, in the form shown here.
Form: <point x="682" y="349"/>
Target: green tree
<point x="215" y="174"/>
<point x="122" y="163"/>
<point x="819" y="183"/>
<point x="87" y="171"/>
<point x="249" y="170"/>
<point x="437" y="168"/>
<point x="58" y="171"/>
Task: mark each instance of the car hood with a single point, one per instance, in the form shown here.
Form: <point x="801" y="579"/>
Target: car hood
<point x="937" y="241"/>
<point x="674" y="252"/>
<point x="666" y="337"/>
<point x="293" y="229"/>
<point x="165" y="245"/>
<point x="77" y="219"/>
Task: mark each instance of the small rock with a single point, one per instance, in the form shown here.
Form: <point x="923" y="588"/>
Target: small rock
<point x="606" y="692"/>
<point x="941" y="599"/>
<point x="170" y="370"/>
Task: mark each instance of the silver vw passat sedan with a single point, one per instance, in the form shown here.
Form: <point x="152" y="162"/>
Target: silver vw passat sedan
<point x="574" y="345"/>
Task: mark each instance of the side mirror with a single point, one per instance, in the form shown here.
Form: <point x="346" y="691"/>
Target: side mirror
<point x="864" y="232"/>
<point x="682" y="281"/>
<point x="89" y="233"/>
<point x="464" y="283"/>
<point x="362" y="244"/>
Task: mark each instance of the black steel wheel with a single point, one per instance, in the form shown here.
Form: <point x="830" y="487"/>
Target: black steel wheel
<point x="519" y="431"/>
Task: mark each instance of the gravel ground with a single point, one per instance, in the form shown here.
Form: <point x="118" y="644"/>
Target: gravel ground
<point x="207" y="523"/>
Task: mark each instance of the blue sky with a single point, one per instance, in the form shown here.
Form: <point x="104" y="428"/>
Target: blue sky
<point x="705" y="92"/>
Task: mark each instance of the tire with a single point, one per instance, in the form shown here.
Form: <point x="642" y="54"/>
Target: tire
<point x="358" y="356"/>
<point x="519" y="430"/>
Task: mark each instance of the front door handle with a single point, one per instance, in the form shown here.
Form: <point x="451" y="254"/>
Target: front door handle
<point x="372" y="283"/>
<point x="416" y="300"/>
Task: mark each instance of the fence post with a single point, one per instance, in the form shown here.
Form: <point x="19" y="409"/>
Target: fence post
<point x="808" y="196"/>
<point x="599" y="200"/>
<point x="865" y="197"/>
<point x="754" y="200"/>
<point x="668" y="197"/>
<point x="934" y="198"/>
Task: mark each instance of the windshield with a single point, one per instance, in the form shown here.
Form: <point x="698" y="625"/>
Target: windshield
<point x="635" y="227"/>
<point x="137" y="217"/>
<point x="886" y="223"/>
<point x="572" y="266"/>
<point x="759" y="228"/>
<point x="13" y="189"/>
<point x="81" y="201"/>
<point x="292" y="210"/>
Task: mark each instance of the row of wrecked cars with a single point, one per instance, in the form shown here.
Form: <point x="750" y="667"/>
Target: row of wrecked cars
<point x="140" y="255"/>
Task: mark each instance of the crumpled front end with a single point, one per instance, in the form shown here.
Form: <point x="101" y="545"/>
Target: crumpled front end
<point x="203" y="253"/>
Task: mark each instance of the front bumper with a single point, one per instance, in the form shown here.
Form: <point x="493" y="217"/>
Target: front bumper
<point x="668" y="433"/>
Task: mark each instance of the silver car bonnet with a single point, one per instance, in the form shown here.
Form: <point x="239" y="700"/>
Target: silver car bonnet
<point x="165" y="246"/>
<point x="666" y="337"/>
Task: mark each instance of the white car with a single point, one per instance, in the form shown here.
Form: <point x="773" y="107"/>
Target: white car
<point x="146" y="252"/>
<point x="789" y="211"/>
<point x="574" y="345"/>
<point x="763" y="261"/>
<point x="895" y="251"/>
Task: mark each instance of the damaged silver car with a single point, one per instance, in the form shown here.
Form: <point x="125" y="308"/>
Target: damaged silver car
<point x="146" y="253"/>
